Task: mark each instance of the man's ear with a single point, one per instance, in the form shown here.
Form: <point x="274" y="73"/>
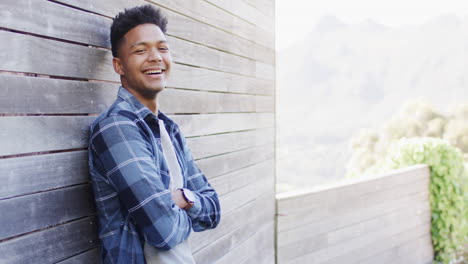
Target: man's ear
<point x="117" y="66"/>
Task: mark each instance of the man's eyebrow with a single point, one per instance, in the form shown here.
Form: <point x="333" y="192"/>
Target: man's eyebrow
<point x="145" y="43"/>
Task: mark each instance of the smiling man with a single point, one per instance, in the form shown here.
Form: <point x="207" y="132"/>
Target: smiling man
<point x="149" y="192"/>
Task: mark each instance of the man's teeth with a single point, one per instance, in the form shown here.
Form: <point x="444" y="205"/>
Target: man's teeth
<point x="153" y="72"/>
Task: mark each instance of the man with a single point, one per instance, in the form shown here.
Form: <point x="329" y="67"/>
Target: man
<point x="149" y="193"/>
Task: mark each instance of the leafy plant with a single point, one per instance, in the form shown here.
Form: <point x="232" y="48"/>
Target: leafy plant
<point x="448" y="191"/>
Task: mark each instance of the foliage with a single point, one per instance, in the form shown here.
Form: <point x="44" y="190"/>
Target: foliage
<point x="448" y="190"/>
<point x="416" y="119"/>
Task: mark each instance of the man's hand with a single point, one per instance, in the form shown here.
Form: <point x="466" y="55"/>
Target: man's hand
<point x="179" y="199"/>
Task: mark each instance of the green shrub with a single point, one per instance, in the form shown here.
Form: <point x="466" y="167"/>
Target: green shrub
<point x="448" y="191"/>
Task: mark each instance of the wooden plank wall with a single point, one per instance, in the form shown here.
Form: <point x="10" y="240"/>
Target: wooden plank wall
<point x="381" y="220"/>
<point x="56" y="76"/>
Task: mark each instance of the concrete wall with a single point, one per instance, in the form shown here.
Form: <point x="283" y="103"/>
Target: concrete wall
<point x="383" y="219"/>
<point x="56" y="76"/>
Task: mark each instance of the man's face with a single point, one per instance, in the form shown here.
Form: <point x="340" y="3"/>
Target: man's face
<point x="144" y="60"/>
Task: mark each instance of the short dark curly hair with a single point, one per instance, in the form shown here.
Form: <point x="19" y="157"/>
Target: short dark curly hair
<point x="130" y="18"/>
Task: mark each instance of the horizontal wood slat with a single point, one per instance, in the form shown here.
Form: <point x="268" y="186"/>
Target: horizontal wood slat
<point x="52" y="96"/>
<point x="91" y="256"/>
<point x="354" y="220"/>
<point x="230" y="241"/>
<point x="190" y="8"/>
<point x="51" y="245"/>
<point x="56" y="21"/>
<point x="27" y="54"/>
<point x="247" y="12"/>
<point x="44" y="172"/>
<point x="230" y="162"/>
<point x="30" y="174"/>
<point x="32" y="212"/>
<point x="222" y="143"/>
<point x="258" y="249"/>
<point x="66" y="23"/>
<point x="71" y="132"/>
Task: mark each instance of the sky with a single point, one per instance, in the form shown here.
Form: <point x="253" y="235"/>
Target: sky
<point x="296" y="18"/>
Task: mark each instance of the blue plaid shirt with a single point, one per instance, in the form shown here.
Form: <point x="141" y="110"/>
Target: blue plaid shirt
<point x="130" y="180"/>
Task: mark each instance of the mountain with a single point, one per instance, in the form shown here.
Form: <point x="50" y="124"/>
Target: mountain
<point x="344" y="77"/>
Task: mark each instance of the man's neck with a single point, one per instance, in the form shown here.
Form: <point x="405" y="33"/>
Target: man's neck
<point x="150" y="103"/>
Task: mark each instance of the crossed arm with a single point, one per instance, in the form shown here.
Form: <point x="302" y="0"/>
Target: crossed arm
<point x="126" y="156"/>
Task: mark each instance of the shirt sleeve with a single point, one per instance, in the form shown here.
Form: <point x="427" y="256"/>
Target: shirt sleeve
<point x="126" y="156"/>
<point x="206" y="211"/>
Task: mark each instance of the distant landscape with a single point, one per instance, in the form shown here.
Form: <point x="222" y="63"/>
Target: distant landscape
<point x="345" y="77"/>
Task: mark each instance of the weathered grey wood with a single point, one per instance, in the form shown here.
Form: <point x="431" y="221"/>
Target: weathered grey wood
<point x="265" y="6"/>
<point x="62" y="22"/>
<point x="202" y="56"/>
<point x="247" y="12"/>
<point x="51" y="245"/>
<point x="213" y="252"/>
<point x="28" y="52"/>
<point x="24" y="214"/>
<point x="43" y="172"/>
<point x="230" y="162"/>
<point x="359" y="204"/>
<point x="234" y="199"/>
<point x="57" y="21"/>
<point x="190" y="8"/>
<point x="210" y="80"/>
<point x="351" y="188"/>
<point x="254" y="250"/>
<point x="187" y="28"/>
<point x="71" y="132"/>
<point x="396" y="244"/>
<point x="235" y="180"/>
<point x="213" y="145"/>
<point x="185" y="101"/>
<point x="45" y="95"/>
<point x="23" y="134"/>
<point x="34" y="95"/>
<point x="230" y="221"/>
<point x="198" y="125"/>
<point x="358" y="235"/>
<point x="353" y="220"/>
<point x="322" y="224"/>
<point x="89" y="257"/>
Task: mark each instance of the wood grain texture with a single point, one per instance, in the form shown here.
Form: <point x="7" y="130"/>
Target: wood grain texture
<point x="91" y="256"/>
<point x="24" y="214"/>
<point x="195" y="9"/>
<point x="207" y="146"/>
<point x="352" y="221"/>
<point x="24" y="134"/>
<point x="26" y="54"/>
<point x="230" y="162"/>
<point x="44" y="172"/>
<point x="230" y="221"/>
<point x="66" y="23"/>
<point x="57" y="21"/>
<point x="51" y="96"/>
<point x="230" y="241"/>
<point x="247" y="12"/>
<point x="211" y="80"/>
<point x="51" y="245"/>
<point x="31" y="174"/>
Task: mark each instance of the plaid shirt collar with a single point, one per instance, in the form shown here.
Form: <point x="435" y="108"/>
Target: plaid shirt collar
<point x="142" y="111"/>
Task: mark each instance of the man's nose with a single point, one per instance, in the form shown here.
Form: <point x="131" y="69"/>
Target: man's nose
<point x="154" y="55"/>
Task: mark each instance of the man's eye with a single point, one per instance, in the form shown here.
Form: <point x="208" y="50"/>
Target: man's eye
<point x="139" y="50"/>
<point x="163" y="48"/>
